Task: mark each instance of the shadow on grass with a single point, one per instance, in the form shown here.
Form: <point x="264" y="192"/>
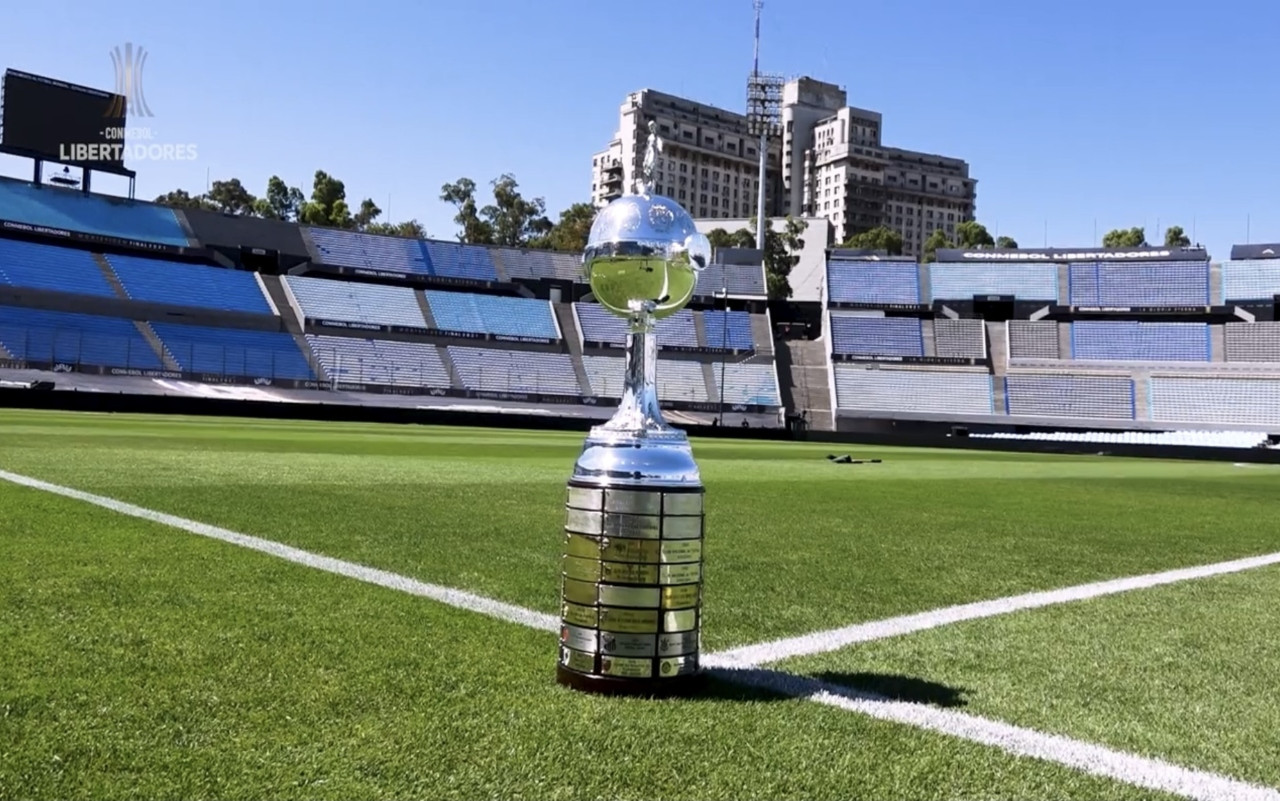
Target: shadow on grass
<point x="762" y="684"/>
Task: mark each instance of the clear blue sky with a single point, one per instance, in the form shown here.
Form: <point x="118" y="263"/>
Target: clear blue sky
<point x="1126" y="112"/>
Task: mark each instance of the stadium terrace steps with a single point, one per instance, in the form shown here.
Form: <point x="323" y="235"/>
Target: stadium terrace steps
<point x="425" y="308"/>
<point x="710" y="379"/>
<point x="929" y="336"/>
<point x="162" y="353"/>
<point x="572" y="337"/>
<point x="762" y="335"/>
<point x="998" y="344"/>
<point x="73" y="210"/>
<point x="700" y="329"/>
<point x="810" y="374"/>
<point x="451" y="368"/>
<point x="1142" y="395"/>
<point x="283" y="302"/>
<point x="109" y="275"/>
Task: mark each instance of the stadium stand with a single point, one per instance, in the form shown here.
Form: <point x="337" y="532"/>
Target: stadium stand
<point x="1216" y="401"/>
<point x="936" y="391"/>
<point x="730" y="330"/>
<point x="873" y="282"/>
<point x="1083" y="396"/>
<point x="515" y="371"/>
<point x="738" y="279"/>
<point x="960" y="339"/>
<point x="1033" y="339"/>
<point x="961" y="281"/>
<point x="455" y="260"/>
<point x="488" y="314"/>
<point x="750" y="383"/>
<point x="72" y="210"/>
<point x="1250" y="279"/>
<point x="378" y="361"/>
<point x="876" y="336"/>
<point x="182" y="284"/>
<point x="1252" y="342"/>
<point x="89" y="339"/>
<point x="537" y="264"/>
<point x="34" y="266"/>
<point x="600" y="325"/>
<point x="234" y="352"/>
<point x="348" y="301"/>
<point x="1133" y="341"/>
<point x="352" y="249"/>
<point x="1171" y="283"/>
<point x="678" y="380"/>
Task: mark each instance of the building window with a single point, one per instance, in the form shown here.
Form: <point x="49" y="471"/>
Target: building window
<point x="702" y="198"/>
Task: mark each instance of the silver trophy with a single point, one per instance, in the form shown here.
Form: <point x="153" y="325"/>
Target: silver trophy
<point x="631" y="584"/>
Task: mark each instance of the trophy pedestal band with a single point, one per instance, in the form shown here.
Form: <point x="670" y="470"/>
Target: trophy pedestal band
<point x="631" y="588"/>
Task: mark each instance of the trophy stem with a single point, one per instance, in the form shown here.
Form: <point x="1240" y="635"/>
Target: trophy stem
<point x="639" y="412"/>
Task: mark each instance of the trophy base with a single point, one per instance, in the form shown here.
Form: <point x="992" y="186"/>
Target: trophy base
<point x="676" y="687"/>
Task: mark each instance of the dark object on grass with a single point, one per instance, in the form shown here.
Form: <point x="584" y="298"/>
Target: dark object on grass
<point x="847" y="459"/>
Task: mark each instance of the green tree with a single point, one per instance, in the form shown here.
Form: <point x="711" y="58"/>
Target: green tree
<point x="781" y="253"/>
<point x="1006" y="243"/>
<point x="230" y="197"/>
<point x="281" y="201"/>
<point x="409" y="228"/>
<point x="462" y="194"/>
<point x="936" y="241"/>
<point x="515" y="219"/>
<point x="1125" y="238"/>
<point x="366" y="215"/>
<point x="181" y="199"/>
<point x="973" y="234"/>
<point x="720" y="238"/>
<point x="879" y="238"/>
<point x="571" y="232"/>
<point x="328" y="203"/>
<point x="1175" y="237"/>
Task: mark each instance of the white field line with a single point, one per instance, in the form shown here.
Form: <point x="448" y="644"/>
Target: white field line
<point x="1088" y="758"/>
<point x="445" y="595"/>
<point x="835" y="639"/>
<point x="1096" y="760"/>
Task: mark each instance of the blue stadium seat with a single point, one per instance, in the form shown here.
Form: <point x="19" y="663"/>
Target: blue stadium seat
<point x="354" y="249"/>
<point x="740" y="280"/>
<point x="601" y="325"/>
<point x="737" y="337"/>
<point x="234" y="352"/>
<point x="515" y="371"/>
<point x="353" y="302"/>
<point x="488" y="314"/>
<point x="1133" y="341"/>
<point x="454" y="260"/>
<point x="380" y="361"/>
<point x="876" y="336"/>
<point x="1172" y="283"/>
<point x="35" y="266"/>
<point x="1250" y="279"/>
<point x="912" y="390"/>
<point x="73" y="210"/>
<point x="873" y="282"/>
<point x="1073" y="396"/>
<point x="961" y="281"/>
<point x="1215" y="401"/>
<point x="183" y="284"/>
<point x="90" y="339"/>
<point x="754" y="384"/>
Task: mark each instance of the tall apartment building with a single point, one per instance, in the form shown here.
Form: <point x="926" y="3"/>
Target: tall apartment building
<point x="831" y="163"/>
<point x="710" y="163"/>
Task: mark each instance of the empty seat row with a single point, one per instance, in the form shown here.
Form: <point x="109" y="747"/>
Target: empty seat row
<point x="1250" y="279"/>
<point x="910" y="390"/>
<point x="964" y="280"/>
<point x="489" y="314"/>
<point x="677" y="380"/>
<point x="1172" y="283"/>
<point x="49" y="336"/>
<point x="1135" y="341"/>
<point x="73" y="210"/>
<point x="1033" y="339"/>
<point x="354" y="249"/>
<point x="30" y="265"/>
<point x="1084" y="396"/>
<point x="738" y="279"/>
<point x="868" y="335"/>
<point x="730" y="330"/>
<point x="347" y="301"/>
<point x="960" y="339"/>
<point x="515" y="371"/>
<point x="537" y="264"/>
<point x="599" y="325"/>
<point x="1218" y="401"/>
<point x="234" y="352"/>
<point x="873" y="282"/>
<point x="182" y="284"/>
<point x="1252" y="342"/>
<point x="455" y="260"/>
<point x="375" y="361"/>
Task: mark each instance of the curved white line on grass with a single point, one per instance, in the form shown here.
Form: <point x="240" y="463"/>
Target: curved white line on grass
<point x="382" y="578"/>
<point x="1086" y="757"/>
<point x="834" y="639"/>
<point x="1096" y="760"/>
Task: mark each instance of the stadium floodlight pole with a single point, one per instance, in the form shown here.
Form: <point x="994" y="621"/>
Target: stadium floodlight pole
<point x="764" y="119"/>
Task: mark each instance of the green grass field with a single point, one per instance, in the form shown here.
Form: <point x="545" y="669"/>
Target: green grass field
<point x="139" y="660"/>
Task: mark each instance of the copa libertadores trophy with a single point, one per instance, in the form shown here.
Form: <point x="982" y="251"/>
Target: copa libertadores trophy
<point x="631" y="585"/>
